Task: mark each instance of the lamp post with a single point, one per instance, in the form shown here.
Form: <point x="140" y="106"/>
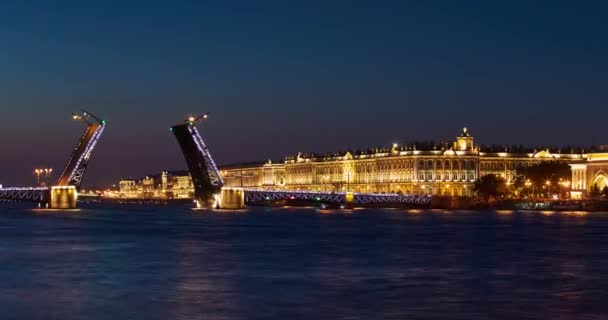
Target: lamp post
<point x="37" y="173"/>
<point x="348" y="181"/>
<point x="47" y="174"/>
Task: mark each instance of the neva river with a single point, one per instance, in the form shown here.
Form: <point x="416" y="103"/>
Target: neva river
<point x="175" y="263"/>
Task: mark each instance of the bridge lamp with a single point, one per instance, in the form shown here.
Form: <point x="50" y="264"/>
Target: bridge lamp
<point x="191" y="119"/>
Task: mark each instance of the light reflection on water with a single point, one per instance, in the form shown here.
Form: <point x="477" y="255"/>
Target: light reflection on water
<point x="175" y="263"/>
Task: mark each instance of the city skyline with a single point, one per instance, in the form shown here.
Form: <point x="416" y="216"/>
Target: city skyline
<point x="293" y="78"/>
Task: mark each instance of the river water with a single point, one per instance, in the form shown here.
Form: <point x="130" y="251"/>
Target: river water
<point x="176" y="263"/>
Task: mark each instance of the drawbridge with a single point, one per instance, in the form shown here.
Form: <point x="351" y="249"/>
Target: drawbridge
<point x="204" y="172"/>
<point x="64" y="193"/>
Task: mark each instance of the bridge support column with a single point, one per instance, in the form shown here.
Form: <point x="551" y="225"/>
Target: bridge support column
<point x="231" y="198"/>
<point x="61" y="197"/>
<point x="349" y="200"/>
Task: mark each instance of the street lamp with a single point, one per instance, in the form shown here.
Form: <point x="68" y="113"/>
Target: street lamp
<point x="44" y="173"/>
<point x="37" y="173"/>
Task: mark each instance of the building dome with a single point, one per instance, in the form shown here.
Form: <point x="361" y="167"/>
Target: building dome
<point x="464" y="142"/>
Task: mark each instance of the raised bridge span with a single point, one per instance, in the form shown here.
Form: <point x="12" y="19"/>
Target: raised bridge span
<point x="64" y="193"/>
<point x="209" y="190"/>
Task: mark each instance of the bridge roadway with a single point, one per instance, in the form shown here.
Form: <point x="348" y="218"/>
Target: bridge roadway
<point x="33" y="194"/>
<point x="55" y="197"/>
<point x="237" y="197"/>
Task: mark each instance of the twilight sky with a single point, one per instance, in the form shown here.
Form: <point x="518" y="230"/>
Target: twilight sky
<point x="285" y="76"/>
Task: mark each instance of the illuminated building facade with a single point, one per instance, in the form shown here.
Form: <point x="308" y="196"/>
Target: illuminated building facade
<point x="448" y="169"/>
<point x="168" y="185"/>
<point x="592" y="172"/>
<point x="445" y="169"/>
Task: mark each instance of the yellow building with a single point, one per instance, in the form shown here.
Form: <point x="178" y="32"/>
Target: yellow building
<point x="593" y="171"/>
<point x="443" y="170"/>
<point x="447" y="169"/>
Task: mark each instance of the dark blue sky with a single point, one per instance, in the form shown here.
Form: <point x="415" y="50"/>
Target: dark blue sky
<point x="286" y="76"/>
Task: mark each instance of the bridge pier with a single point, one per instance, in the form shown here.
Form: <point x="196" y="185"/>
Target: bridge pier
<point x="231" y="198"/>
<point x="61" y="197"/>
<point x="349" y="200"/>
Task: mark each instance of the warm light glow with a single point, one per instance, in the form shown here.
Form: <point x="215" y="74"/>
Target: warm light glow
<point x="191" y="119"/>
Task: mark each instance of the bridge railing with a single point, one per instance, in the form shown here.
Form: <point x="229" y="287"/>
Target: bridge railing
<point x="261" y="195"/>
<point x="35" y="194"/>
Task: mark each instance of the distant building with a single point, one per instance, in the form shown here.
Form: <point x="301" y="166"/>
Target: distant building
<point x="167" y="185"/>
<point x="128" y="188"/>
<point x="421" y="168"/>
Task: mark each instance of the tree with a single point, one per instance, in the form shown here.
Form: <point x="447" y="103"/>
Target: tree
<point x="546" y="171"/>
<point x="594" y="192"/>
<point x="490" y="186"/>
